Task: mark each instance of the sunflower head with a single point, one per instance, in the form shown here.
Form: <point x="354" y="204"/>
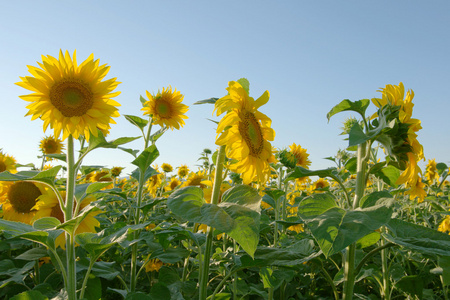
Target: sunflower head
<point x="115" y="171"/>
<point x="183" y="171"/>
<point x="167" y="168"/>
<point x="174" y="182"/>
<point x="166" y="108"/>
<point x="51" y="145"/>
<point x="72" y="99"/>
<point x="7" y="163"/>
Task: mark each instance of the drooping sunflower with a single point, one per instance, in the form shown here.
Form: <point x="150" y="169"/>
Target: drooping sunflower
<point x="72" y="99"/>
<point x="402" y="142"/>
<point x="18" y="200"/>
<point x="115" y="171"/>
<point x="166" y="168"/>
<point x="246" y="133"/>
<point x="166" y="108"/>
<point x="431" y="173"/>
<point x="7" y="163"/>
<point x="51" y="145"/>
<point x="48" y="206"/>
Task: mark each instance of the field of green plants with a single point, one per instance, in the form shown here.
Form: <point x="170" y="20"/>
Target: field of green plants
<point x="252" y="222"/>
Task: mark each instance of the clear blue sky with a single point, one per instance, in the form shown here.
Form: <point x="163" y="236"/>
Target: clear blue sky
<point x="308" y="54"/>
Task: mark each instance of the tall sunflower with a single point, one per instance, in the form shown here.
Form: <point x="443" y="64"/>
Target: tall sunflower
<point x="72" y="99"/>
<point x="166" y="108"/>
<point x="7" y="163"/>
<point x="47" y="205"/>
<point x="402" y="142"/>
<point x="246" y="133"/>
<point x="51" y="145"/>
<point x="18" y="200"/>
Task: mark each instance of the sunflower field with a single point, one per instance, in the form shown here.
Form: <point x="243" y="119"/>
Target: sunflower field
<point x="252" y="222"/>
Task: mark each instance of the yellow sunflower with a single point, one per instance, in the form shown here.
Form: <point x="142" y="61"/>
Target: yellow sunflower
<point x="394" y="96"/>
<point x="71" y="98"/>
<point x="115" y="171"/>
<point x="51" y="145"/>
<point x="7" y="163"/>
<point x="174" y="182"/>
<point x="166" y="108"/>
<point x="166" y="167"/>
<point x="183" y="171"/>
<point x="431" y="173"/>
<point x="153" y="265"/>
<point x="18" y="199"/>
<point x="319" y="185"/>
<point x="196" y="179"/>
<point x="246" y="133"/>
<point x="153" y="184"/>
<point x="48" y="206"/>
<point x="300" y="155"/>
<point x="445" y="225"/>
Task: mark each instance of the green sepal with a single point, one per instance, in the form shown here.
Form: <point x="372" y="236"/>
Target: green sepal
<point x="143" y="100"/>
<point x="245" y="84"/>
<point x="359" y="106"/>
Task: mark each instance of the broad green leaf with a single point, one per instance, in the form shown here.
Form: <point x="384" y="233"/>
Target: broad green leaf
<point x="93" y="288"/>
<point x="368" y="240"/>
<point x="101" y="269"/>
<point x="57" y="156"/>
<point x="33" y="254"/>
<point x="237" y="214"/>
<point x="149" y="172"/>
<point x="335" y="228"/>
<point x="136" y="121"/>
<point x="300" y="172"/>
<point x="46" y="223"/>
<point x="418" y="238"/>
<point x="359" y="106"/>
<point x="71" y="225"/>
<point x="47" y="176"/>
<point x="154" y="137"/>
<point x="372" y="198"/>
<point x="170" y="255"/>
<point x="147" y="157"/>
<point x="29" y="295"/>
<point x="93" y="244"/>
<point x="99" y="141"/>
<point x="208" y="101"/>
<point x="412" y="285"/>
<point x="389" y="174"/>
<point x="274" y="278"/>
<point x="14" y="274"/>
<point x="444" y="263"/>
<point x="160" y="291"/>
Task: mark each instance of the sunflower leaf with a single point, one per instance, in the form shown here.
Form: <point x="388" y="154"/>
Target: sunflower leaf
<point x="359" y="106"/>
<point x="136" y="121"/>
<point x="47" y="176"/>
<point x="206" y="101"/>
<point x="237" y="215"/>
<point x="300" y="172"/>
<point x="146" y="158"/>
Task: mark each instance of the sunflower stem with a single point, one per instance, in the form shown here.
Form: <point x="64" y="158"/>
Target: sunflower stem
<point x="71" y="287"/>
<point x="349" y="265"/>
<point x="137" y="215"/>
<point x="204" y="275"/>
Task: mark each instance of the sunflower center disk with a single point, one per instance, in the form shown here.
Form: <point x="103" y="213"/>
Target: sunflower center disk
<point x="23" y="195"/>
<point x="50" y="147"/>
<point x="250" y="130"/>
<point x="57" y="213"/>
<point x="163" y="109"/>
<point x="2" y="166"/>
<point x="71" y="97"/>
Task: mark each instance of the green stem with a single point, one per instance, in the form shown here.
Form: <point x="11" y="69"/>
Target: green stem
<point x="71" y="287"/>
<point x="219" y="286"/>
<point x="385" y="270"/>
<point x="209" y="239"/>
<point x="137" y="216"/>
<point x="330" y="281"/>
<point x="349" y="265"/>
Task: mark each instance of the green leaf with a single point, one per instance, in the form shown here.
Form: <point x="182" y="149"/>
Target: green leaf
<point x="30" y="295"/>
<point x="99" y="141"/>
<point x="444" y="263"/>
<point x="170" y="255"/>
<point x="148" y="173"/>
<point x="412" y="285"/>
<point x="418" y="238"/>
<point x="368" y="240"/>
<point x="245" y="84"/>
<point x="57" y="156"/>
<point x="47" y="176"/>
<point x="372" y="198"/>
<point x="154" y="137"/>
<point x="101" y="269"/>
<point x="148" y="156"/>
<point x="335" y="228"/>
<point x="93" y="289"/>
<point x="136" y="121"/>
<point x="33" y="254"/>
<point x="389" y="174"/>
<point x="274" y="278"/>
<point x="143" y="100"/>
<point x="237" y="215"/>
<point x="14" y="274"/>
<point x="207" y="101"/>
<point x="160" y="291"/>
<point x="359" y="106"/>
<point x="300" y="172"/>
<point x="46" y="223"/>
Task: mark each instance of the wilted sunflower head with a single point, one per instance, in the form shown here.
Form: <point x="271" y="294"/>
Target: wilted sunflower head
<point x="7" y="163"/>
<point x="72" y="99"/>
<point x="51" y="145"/>
<point x="166" y="108"/>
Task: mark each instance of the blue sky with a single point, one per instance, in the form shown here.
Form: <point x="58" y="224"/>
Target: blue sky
<point x="309" y="55"/>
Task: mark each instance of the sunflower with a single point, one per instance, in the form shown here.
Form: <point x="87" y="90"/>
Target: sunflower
<point x="153" y="184"/>
<point x="300" y="155"/>
<point x="195" y="179"/>
<point x="174" y="182"/>
<point x="208" y="189"/>
<point x="71" y="98"/>
<point x="445" y="225"/>
<point x="166" y="167"/>
<point x="7" y="163"/>
<point x="51" y="145"/>
<point x="166" y="108"/>
<point x="115" y="171"/>
<point x="18" y="199"/>
<point x="47" y="205"/>
<point x="402" y="142"/>
<point x="183" y="171"/>
<point x="246" y="133"/>
<point x="319" y="185"/>
<point x="153" y="265"/>
<point x="431" y="173"/>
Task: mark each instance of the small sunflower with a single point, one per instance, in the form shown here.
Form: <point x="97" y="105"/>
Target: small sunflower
<point x="48" y="206"/>
<point x="445" y="225"/>
<point x="153" y="265"/>
<point x="115" y="171"/>
<point x="18" y="200"/>
<point x="166" y="108"/>
<point x="174" y="182"/>
<point x="300" y="155"/>
<point x="246" y="133"/>
<point x="153" y="184"/>
<point x="183" y="171"/>
<point x="166" y="167"/>
<point x="51" y="145"/>
<point x="431" y="173"/>
<point x="71" y="98"/>
<point x="319" y="185"/>
<point x="7" y="163"/>
<point x="196" y="179"/>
